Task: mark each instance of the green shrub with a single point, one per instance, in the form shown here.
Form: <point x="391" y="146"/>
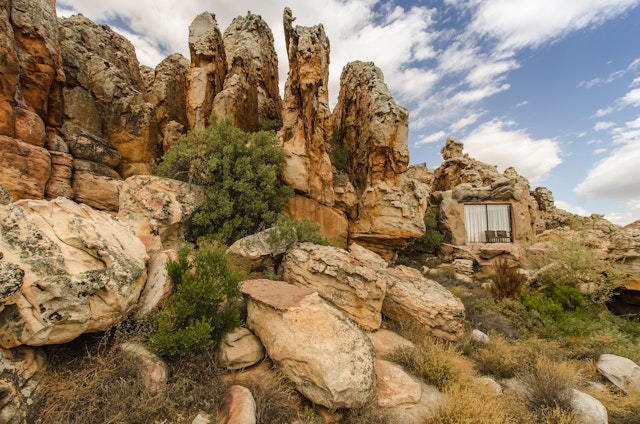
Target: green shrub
<point x="338" y="153"/>
<point x="203" y="306"/>
<point x="240" y="174"/>
<point x="291" y="231"/>
<point x="431" y="239"/>
<point x="507" y="279"/>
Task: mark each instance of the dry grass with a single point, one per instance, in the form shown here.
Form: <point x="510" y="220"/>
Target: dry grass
<point x="623" y="408"/>
<point x="548" y="385"/>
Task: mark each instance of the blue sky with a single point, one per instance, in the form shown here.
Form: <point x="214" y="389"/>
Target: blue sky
<point x="549" y="87"/>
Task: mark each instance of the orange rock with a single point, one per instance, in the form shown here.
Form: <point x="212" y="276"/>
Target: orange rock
<point x="25" y="168"/>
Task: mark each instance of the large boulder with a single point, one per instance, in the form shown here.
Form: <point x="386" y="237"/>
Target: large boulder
<point x="334" y="225"/>
<point x="412" y="298"/>
<point x="328" y="358"/>
<point x="158" y="208"/>
<point x="205" y="78"/>
<point x="250" y="93"/>
<point x="306" y="115"/>
<point x="339" y="278"/>
<point x="83" y="270"/>
<point x="622" y="372"/>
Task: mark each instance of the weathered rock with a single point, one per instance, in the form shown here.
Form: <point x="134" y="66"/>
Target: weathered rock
<point x="5" y="196"/>
<point x="394" y="386"/>
<point x="98" y="191"/>
<point x="238" y="407"/>
<point x="240" y="349"/>
<point x="208" y="68"/>
<point x="340" y="279"/>
<point x="587" y="409"/>
<point x="104" y="65"/>
<point x="478" y="337"/>
<point x="306" y="115"/>
<point x="28" y="127"/>
<point x="84" y="145"/>
<point x="334" y="225"/>
<point x="10" y="65"/>
<point x="622" y="372"/>
<point x="59" y="183"/>
<point x="167" y="92"/>
<point x="250" y="94"/>
<point x="158" y="286"/>
<point x="165" y="205"/>
<point x="430" y="404"/>
<point x="25" y="168"/>
<point x="259" y="251"/>
<point x="83" y="270"/>
<point x="11" y="277"/>
<point x="202" y="418"/>
<point x="328" y="358"/>
<point x="390" y="216"/>
<point x="371" y="126"/>
<point x="414" y="299"/>
<point x="387" y="343"/>
<point x="153" y="371"/>
<point x="35" y="39"/>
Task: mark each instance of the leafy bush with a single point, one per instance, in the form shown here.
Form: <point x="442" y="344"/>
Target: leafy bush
<point x="338" y="153"/>
<point x="240" y="173"/>
<point x="291" y="231"/>
<point x="202" y="307"/>
<point x="431" y="239"/>
<point x="507" y="279"/>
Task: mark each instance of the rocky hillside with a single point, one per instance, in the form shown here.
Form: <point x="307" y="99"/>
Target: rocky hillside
<point x="86" y="231"/>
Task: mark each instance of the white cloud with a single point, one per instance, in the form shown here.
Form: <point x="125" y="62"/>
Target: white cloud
<point x="632" y="98"/>
<point x="523" y="103"/>
<point x="612" y="76"/>
<point x="518" y="24"/>
<point x="146" y="50"/>
<point x="464" y="122"/>
<point x="614" y="178"/>
<point x="493" y="143"/>
<point x="622" y="218"/>
<point x="578" y="210"/>
<point x="438" y="137"/>
<point x="601" y="125"/>
<point x="603" y="112"/>
<point x="600" y="151"/>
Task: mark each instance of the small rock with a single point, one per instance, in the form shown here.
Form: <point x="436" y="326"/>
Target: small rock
<point x="238" y="407"/>
<point x="479" y="337"/>
<point x="202" y="418"/>
<point x="153" y="370"/>
<point x="386" y="342"/>
<point x="394" y="386"/>
<point x="588" y="409"/>
<point x="622" y="372"/>
<point x="240" y="349"/>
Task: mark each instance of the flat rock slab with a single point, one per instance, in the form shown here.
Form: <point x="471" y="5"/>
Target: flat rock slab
<point x="621" y="371"/>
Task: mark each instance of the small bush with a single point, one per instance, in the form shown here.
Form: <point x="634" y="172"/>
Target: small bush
<point x="431" y="239"/>
<point x="338" y="153"/>
<point x="548" y="385"/>
<point x="291" y="231"/>
<point x="203" y="306"/>
<point x="240" y="174"/>
<point x="507" y="280"/>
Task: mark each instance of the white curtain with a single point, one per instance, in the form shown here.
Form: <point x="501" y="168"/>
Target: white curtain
<point x="475" y="221"/>
<point x="498" y="217"/>
<point x="479" y="218"/>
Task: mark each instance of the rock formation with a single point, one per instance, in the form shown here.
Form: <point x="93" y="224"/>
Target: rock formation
<point x="208" y="68"/>
<point x="250" y="96"/>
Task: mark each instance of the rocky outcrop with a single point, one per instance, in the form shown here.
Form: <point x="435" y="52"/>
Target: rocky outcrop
<point x="334" y="225"/>
<point x="208" y="68"/>
<point x="371" y="126"/>
<point x="104" y="93"/>
<point x="83" y="271"/>
<point x="250" y="96"/>
<point x="328" y="358"/>
<point x="25" y="168"/>
<point x="167" y="93"/>
<point x="411" y="298"/>
<point x="306" y="116"/>
<point x="339" y="278"/>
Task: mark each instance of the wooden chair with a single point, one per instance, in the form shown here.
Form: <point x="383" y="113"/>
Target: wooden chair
<point x="491" y="236"/>
<point x="503" y="236"/>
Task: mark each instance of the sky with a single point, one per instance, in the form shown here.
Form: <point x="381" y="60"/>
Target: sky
<point x="549" y="87"/>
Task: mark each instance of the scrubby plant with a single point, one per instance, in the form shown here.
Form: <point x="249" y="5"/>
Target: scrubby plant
<point x="289" y="231"/>
<point x="431" y="239"/>
<point x="507" y="279"/>
<point x="239" y="172"/>
<point x="548" y="385"/>
<point x="338" y="153"/>
<point x="203" y="306"/>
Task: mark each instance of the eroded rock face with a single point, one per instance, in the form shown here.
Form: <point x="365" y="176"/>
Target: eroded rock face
<point x="306" y="115"/>
<point x="250" y="95"/>
<point x="104" y="93"/>
<point x="208" y="68"/>
<point x="334" y="225"/>
<point x="83" y="270"/>
<point x="25" y="168"/>
<point x="413" y="298"/>
<point x="339" y="278"/>
<point x="328" y="358"/>
<point x="371" y="126"/>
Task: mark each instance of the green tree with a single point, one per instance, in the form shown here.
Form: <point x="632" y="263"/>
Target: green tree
<point x="203" y="305"/>
<point x="431" y="239"/>
<point x="240" y="173"/>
